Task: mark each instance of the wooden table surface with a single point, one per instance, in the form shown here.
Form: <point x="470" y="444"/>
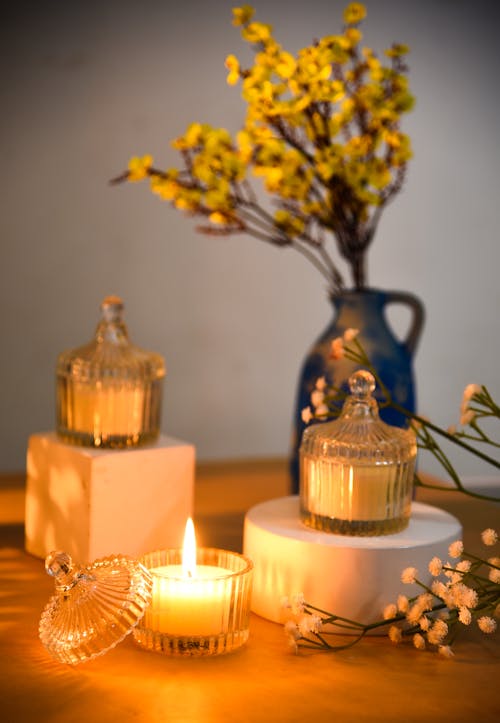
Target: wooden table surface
<point x="261" y="682"/>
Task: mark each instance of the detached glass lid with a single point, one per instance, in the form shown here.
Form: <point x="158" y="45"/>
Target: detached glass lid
<point x="94" y="608"/>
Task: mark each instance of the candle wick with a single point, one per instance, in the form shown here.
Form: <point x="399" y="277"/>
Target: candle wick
<point x="190" y="574"/>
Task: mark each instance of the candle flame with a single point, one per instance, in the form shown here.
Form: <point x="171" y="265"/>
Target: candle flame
<point x="189" y="551"/>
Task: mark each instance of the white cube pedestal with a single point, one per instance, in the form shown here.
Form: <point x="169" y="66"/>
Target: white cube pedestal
<point x="353" y="577"/>
<point x="92" y="503"/>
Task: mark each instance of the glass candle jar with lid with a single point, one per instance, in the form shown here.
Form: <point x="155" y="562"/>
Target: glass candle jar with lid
<point x="109" y="391"/>
<point x="356" y="472"/>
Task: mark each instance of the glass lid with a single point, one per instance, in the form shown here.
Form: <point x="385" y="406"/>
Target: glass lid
<point x="94" y="607"/>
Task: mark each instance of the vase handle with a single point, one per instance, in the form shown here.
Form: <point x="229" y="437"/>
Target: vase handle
<point x="401" y="297"/>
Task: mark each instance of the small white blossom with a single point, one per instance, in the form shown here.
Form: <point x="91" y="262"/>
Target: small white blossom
<point x="489" y="536"/>
<point x="395" y="634"/>
<point x="469" y="391"/>
<point x="487" y="624"/>
<point x="322" y="410"/>
<point x="456" y="548"/>
<point x="409" y="575"/>
<point x="309" y="624"/>
<point x="438" y="632"/>
<point x="496" y="612"/>
<point x="306" y="415"/>
<point x="390" y="611"/>
<point x="463" y="596"/>
<point x="350" y="334"/>
<point x="452" y="429"/>
<point x="435" y="566"/>
<point x="297" y="603"/>
<point x="419" y="641"/>
<point x="446" y="651"/>
<point x="467" y="417"/>
<point x="321" y="383"/>
<point x="403" y="603"/>
<point x="439" y="588"/>
<point x="494" y="574"/>
<point x="317" y="397"/>
<point x="465" y="615"/>
<point x="424" y="623"/>
<point x="466" y="414"/>
<point x="463" y="566"/>
<point x="337" y="349"/>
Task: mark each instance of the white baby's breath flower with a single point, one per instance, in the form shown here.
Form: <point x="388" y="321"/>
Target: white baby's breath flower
<point x="438" y="588"/>
<point x="494" y="573"/>
<point x="424" y="623"/>
<point x="496" y="612"/>
<point x="469" y="391"/>
<point x="309" y="624"/>
<point x="487" y="624"/>
<point x="409" y="575"/>
<point x="337" y="349"/>
<point x="466" y="413"/>
<point x="390" y="611"/>
<point x="317" y="397"/>
<point x="456" y="548"/>
<point x="292" y="635"/>
<point x="467" y="417"/>
<point x="437" y="632"/>
<point x="403" y="603"/>
<point x="463" y="596"/>
<point x="435" y="566"/>
<point x="395" y="634"/>
<point x="489" y="536"/>
<point x="322" y="410"/>
<point x="297" y="603"/>
<point x="464" y="615"/>
<point x="419" y="641"/>
<point x="292" y="629"/>
<point x="321" y="383"/>
<point x="350" y="334"/>
<point x="494" y="576"/>
<point x="306" y="415"/>
<point x="445" y="651"/>
<point x="452" y="429"/>
<point x="463" y="566"/>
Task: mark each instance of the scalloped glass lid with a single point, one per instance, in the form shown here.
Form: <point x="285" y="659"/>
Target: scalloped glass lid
<point x="95" y="607"/>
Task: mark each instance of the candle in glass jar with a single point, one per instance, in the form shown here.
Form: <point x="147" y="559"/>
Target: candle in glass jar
<point x="107" y="411"/>
<point x="189" y="599"/>
<point x="351" y="492"/>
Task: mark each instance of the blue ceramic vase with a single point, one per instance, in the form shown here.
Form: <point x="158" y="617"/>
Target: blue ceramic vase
<point x="391" y="358"/>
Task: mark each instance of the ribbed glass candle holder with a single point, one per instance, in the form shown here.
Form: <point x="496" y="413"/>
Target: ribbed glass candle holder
<point x="204" y="614"/>
<point x="109" y="392"/>
<point x="356" y="473"/>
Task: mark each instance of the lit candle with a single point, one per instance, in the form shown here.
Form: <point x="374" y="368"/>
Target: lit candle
<point x="200" y="603"/>
<point x="189" y="599"/>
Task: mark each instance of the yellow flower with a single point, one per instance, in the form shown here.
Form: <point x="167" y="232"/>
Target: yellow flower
<point x="233" y="65"/>
<point x="138" y="167"/>
<point x="243" y="15"/>
<point x="354" y="13"/>
<point x="256" y="32"/>
<point x="219" y="218"/>
<point x="396" y="50"/>
<point x="286" y="65"/>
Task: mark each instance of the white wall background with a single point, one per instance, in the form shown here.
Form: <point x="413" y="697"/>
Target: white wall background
<point x="86" y="85"/>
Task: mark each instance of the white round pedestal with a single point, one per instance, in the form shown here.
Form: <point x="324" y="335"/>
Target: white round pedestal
<point x="354" y="577"/>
